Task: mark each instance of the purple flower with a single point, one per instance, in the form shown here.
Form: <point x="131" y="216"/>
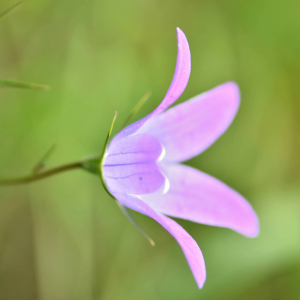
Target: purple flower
<point x="142" y="167"/>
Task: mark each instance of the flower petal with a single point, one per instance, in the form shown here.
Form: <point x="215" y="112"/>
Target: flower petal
<point x="198" y="197"/>
<point x="181" y="76"/>
<point x="191" y="127"/>
<point x="178" y="84"/>
<point x="131" y="165"/>
<point x="190" y="248"/>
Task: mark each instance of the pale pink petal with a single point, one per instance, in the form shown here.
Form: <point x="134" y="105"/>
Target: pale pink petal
<point x="178" y="84"/>
<point x="181" y="76"/>
<point x="191" y="127"/>
<point x="131" y="165"/>
<point x="190" y="248"/>
<point x="198" y="197"/>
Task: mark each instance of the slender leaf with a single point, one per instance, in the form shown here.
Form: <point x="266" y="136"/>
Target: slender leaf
<point x="23" y="85"/>
<point x="41" y="164"/>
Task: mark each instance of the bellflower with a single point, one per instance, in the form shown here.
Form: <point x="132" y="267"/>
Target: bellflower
<point x="142" y="166"/>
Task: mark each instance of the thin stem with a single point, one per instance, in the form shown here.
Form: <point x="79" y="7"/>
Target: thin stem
<point x="41" y="175"/>
<point x="10" y="9"/>
<point x="23" y="85"/>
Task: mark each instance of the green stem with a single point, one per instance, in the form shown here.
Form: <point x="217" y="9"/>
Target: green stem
<point x="10" y="9"/>
<point x="41" y="175"/>
<point x="23" y="85"/>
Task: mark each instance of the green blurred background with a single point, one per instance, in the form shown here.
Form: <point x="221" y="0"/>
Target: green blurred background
<point x="64" y="238"/>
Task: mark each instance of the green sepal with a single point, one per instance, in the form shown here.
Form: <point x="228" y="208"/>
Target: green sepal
<point x="92" y="165"/>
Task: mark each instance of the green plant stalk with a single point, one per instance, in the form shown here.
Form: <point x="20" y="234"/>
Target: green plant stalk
<point x="11" y="8"/>
<point x="41" y="175"/>
<point x="23" y="85"/>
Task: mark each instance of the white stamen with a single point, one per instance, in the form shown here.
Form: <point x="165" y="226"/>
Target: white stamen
<point x="162" y="155"/>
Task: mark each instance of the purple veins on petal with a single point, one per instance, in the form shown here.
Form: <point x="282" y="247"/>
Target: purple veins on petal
<point x="131" y="165"/>
<point x="141" y="167"/>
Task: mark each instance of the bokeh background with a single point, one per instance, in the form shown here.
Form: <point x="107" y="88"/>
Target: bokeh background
<point x="64" y="238"/>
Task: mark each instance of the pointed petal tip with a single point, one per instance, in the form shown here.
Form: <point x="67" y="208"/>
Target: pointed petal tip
<point x="188" y="245"/>
<point x="181" y="36"/>
<point x="178" y="84"/>
<point x="253" y="228"/>
<point x="232" y="83"/>
<point x="200" y="283"/>
<point x="232" y="90"/>
<point x="178" y="30"/>
<point x="181" y="75"/>
<point x="232" y="87"/>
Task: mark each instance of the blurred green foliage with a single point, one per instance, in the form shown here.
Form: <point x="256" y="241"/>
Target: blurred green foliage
<point x="64" y="238"/>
